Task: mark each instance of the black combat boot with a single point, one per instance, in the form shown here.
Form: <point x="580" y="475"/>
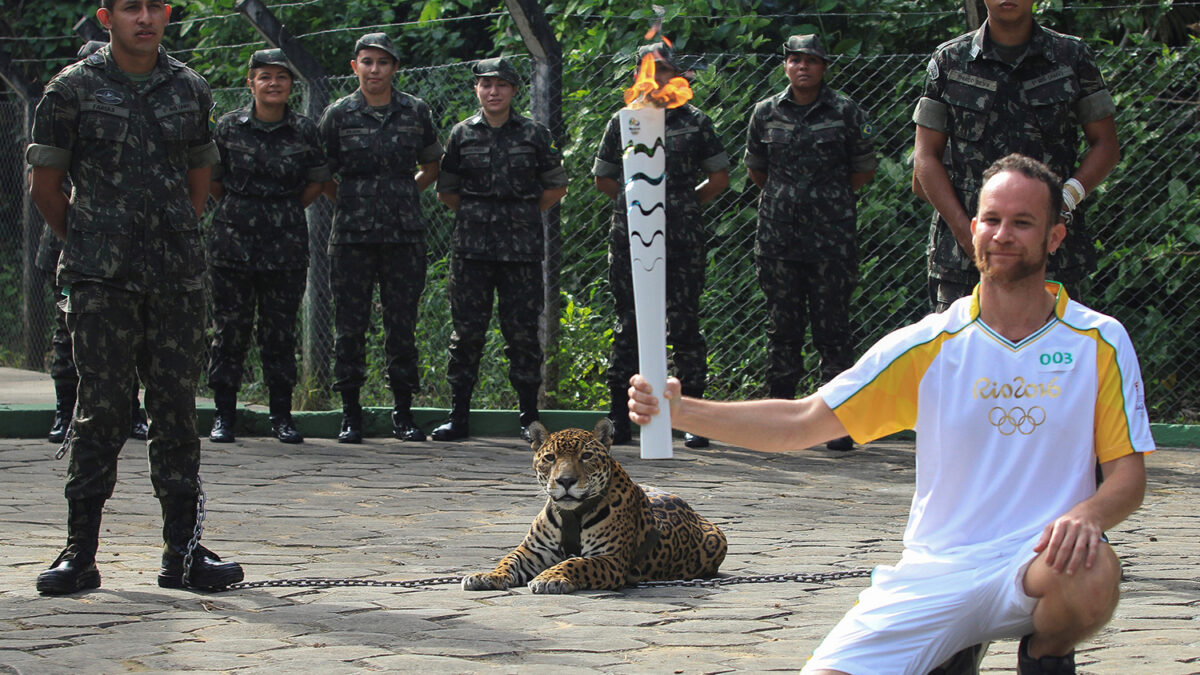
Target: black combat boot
<point x="352" y="418"/>
<point x="527" y="400"/>
<point x="458" y="426"/>
<point x="226" y="415"/>
<point x="282" y="424"/>
<point x="207" y="571"/>
<point x="618" y="412"/>
<point x="64" y="408"/>
<point x="74" y="569"/>
<point x="403" y="426"/>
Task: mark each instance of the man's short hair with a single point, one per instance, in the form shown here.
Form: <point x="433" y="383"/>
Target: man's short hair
<point x="1033" y="169"/>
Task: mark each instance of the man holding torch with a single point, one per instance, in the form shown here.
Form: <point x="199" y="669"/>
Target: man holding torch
<point x="697" y="170"/>
<point x="1016" y="393"/>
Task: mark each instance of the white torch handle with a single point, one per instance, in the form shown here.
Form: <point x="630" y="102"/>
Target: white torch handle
<point x="645" y="165"/>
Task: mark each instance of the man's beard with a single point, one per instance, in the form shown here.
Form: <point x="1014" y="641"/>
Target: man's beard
<point x="1019" y="271"/>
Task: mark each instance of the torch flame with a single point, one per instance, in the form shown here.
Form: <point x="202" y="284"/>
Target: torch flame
<point x="646" y="92"/>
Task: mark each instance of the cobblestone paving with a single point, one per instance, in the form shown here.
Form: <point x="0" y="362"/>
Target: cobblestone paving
<point x="392" y="511"/>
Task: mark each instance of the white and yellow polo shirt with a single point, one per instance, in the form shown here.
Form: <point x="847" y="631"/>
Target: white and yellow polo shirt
<point x="1008" y="434"/>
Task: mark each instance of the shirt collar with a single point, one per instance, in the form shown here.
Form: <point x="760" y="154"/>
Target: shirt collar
<point x="1040" y="43"/>
<point x="1058" y="290"/>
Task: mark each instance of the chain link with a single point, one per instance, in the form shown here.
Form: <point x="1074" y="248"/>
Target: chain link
<point x="325" y="582"/>
<point x="197" y="531"/>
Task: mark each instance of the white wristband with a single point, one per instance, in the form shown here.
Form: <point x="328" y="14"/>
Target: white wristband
<point x="1075" y="188"/>
<point x="1068" y="200"/>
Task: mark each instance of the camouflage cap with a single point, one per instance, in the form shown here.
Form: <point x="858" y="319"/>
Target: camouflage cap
<point x="378" y="41"/>
<point x="498" y="67"/>
<point x="661" y="53"/>
<point x="270" y="57"/>
<point x="90" y="47"/>
<point x="805" y="44"/>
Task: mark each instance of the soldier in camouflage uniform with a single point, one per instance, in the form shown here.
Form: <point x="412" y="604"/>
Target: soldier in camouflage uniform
<point x="373" y="139"/>
<point x="500" y="171"/>
<point x="271" y="168"/>
<point x="62" y="364"/>
<point x="809" y="148"/>
<point x="697" y="171"/>
<point x="130" y="127"/>
<point x="1010" y="86"/>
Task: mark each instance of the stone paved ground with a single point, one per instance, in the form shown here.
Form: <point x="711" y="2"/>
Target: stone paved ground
<point x="392" y="511"/>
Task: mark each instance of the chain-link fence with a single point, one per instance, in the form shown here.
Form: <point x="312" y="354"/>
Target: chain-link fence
<point x="1146" y="219"/>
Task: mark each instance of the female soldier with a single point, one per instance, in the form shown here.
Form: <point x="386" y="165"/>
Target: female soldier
<point x="271" y="168"/>
<point x="375" y="138"/>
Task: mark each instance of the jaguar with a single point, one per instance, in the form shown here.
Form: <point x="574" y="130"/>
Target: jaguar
<point x="599" y="530"/>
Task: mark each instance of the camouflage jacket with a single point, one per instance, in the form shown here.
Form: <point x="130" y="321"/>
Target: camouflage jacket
<point x="259" y="223"/>
<point x="374" y="155"/>
<point x="693" y="152"/>
<point x="127" y="148"/>
<point x="500" y="175"/>
<point x="808" y="153"/>
<point x="989" y="109"/>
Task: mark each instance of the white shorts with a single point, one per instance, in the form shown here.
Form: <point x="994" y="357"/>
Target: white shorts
<point x="914" y="616"/>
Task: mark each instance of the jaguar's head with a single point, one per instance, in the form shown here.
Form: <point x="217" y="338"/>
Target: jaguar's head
<point x="572" y="465"/>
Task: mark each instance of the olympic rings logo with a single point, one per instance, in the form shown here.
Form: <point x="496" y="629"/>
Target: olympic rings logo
<point x="1017" y="419"/>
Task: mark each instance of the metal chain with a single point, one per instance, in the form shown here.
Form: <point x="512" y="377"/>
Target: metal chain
<point x="324" y="582"/>
<point x="197" y="531"/>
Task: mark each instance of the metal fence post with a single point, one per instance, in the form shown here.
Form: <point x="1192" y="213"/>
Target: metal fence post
<point x="545" y="94"/>
<point x="317" y="333"/>
<point x="89" y="30"/>
<point x="34" y="317"/>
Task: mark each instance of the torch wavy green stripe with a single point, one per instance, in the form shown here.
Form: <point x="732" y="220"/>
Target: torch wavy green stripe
<point x="644" y="149"/>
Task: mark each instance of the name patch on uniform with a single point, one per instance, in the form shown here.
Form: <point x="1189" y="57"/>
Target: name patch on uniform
<point x="176" y="110"/>
<point x="972" y="80"/>
<point x="92" y="106"/>
<point x="682" y="130"/>
<point x="1058" y="74"/>
<point x="109" y="97"/>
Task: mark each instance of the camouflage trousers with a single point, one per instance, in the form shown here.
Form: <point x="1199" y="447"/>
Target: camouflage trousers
<point x="518" y="289"/>
<point x="116" y="333"/>
<point x="816" y="294"/>
<point x="237" y="295"/>
<point x="354" y="270"/>
<point x="685" y="283"/>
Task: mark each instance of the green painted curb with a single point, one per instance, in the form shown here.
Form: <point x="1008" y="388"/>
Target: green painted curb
<point x="33" y="421"/>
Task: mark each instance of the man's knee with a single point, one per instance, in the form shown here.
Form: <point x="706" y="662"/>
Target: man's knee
<point x="1086" y="598"/>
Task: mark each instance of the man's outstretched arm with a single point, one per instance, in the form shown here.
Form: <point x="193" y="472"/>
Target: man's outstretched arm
<point x="768" y="425"/>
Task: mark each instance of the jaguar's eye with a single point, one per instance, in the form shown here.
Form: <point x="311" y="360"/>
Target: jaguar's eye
<point x="587" y="456"/>
<point x="546" y="458"/>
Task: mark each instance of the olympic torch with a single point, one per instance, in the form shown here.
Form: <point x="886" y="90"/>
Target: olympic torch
<point x="644" y="161"/>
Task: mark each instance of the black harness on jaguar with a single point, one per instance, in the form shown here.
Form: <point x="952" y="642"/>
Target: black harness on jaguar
<point x="571" y="523"/>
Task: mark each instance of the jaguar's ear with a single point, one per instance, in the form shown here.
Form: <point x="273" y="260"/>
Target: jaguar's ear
<point x="537" y="435"/>
<point x="604" y="432"/>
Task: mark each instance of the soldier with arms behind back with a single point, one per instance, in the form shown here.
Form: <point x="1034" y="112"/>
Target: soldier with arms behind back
<point x="500" y="171"/>
<point x="130" y="126"/>
<point x="271" y="168"/>
<point x="809" y="148"/>
<point x="374" y="139"/>
<point x="1010" y="86"/>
